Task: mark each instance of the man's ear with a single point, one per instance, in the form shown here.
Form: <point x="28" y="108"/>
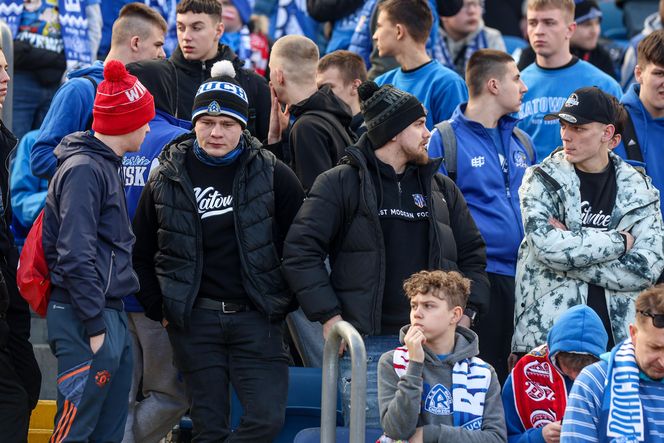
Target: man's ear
<point x="493" y="86"/>
<point x="609" y="133"/>
<point x="458" y="313"/>
<point x="638" y="73"/>
<point x="356" y="84"/>
<point x="570" y="30"/>
<point x="401" y="32"/>
<point x="134" y="43"/>
<point x="220" y="30"/>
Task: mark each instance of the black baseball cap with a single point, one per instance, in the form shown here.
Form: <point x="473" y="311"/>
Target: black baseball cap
<point x="586" y="105"/>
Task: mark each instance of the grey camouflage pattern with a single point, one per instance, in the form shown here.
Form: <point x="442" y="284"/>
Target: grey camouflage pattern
<point x="555" y="267"/>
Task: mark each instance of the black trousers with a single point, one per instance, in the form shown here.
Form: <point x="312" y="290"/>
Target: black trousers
<point x="496" y="327"/>
<point x="242" y="349"/>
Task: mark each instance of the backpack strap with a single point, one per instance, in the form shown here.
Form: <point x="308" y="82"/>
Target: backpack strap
<point x="348" y="137"/>
<point x="88" y="125"/>
<point x="631" y="141"/>
<point x="526" y="142"/>
<point x="449" y="147"/>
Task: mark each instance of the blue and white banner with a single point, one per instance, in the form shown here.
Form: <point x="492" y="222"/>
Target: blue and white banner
<point x="74" y="25"/>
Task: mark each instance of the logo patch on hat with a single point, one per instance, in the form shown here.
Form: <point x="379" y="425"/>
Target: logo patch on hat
<point x="214" y="108"/>
<point x="567" y="117"/>
<point x="573" y="100"/>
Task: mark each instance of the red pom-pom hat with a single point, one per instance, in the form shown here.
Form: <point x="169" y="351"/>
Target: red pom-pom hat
<point x="122" y="104"/>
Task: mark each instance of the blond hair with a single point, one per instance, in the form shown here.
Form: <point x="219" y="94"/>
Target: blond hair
<point x="567" y="6"/>
<point x="297" y="56"/>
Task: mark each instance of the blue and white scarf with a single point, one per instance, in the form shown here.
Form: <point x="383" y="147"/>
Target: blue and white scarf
<point x="291" y="17"/>
<point x="442" y="53"/>
<point x="73" y="25"/>
<point x="471" y="378"/>
<point x="622" y="410"/>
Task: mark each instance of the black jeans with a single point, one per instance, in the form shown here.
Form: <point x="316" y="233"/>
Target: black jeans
<point x="496" y="327"/>
<point x="242" y="349"/>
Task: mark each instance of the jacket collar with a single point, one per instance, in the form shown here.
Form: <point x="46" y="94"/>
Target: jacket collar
<point x="505" y="123"/>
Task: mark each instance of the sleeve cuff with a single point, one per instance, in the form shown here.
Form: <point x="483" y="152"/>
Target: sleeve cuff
<point x="95" y="325"/>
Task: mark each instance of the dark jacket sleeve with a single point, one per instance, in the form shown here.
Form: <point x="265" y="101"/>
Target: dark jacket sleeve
<point x="307" y="245"/>
<point x="48" y="66"/>
<point x="145" y="229"/>
<point x="81" y="191"/>
<point x="262" y="104"/>
<point x="471" y="249"/>
<point x="288" y="197"/>
<point x="332" y="10"/>
<point x="311" y="144"/>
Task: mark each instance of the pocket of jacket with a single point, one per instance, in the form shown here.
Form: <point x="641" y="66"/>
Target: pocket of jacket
<point x="110" y="272"/>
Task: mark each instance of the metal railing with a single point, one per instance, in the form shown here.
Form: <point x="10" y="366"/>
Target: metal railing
<point x="358" y="391"/>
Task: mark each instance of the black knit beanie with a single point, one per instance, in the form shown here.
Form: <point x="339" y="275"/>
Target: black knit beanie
<point x="221" y="95"/>
<point x="387" y="111"/>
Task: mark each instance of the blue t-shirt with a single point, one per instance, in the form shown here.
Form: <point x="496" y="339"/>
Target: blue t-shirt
<point x="439" y="88"/>
<point x="547" y="91"/>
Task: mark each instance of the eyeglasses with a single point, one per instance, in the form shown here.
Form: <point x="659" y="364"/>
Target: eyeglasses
<point x="657" y="319"/>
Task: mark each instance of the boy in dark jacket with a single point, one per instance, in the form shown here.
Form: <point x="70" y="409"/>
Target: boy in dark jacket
<point x="88" y="242"/>
<point x="199" y="28"/>
<point x="435" y="388"/>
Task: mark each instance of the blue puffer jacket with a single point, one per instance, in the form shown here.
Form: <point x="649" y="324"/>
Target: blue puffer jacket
<point x="492" y="197"/>
<point x="87" y="234"/>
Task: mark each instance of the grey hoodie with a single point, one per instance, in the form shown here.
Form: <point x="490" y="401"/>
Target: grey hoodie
<point x="400" y="399"/>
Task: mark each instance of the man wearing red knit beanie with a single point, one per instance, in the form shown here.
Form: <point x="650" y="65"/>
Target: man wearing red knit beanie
<point x="88" y="241"/>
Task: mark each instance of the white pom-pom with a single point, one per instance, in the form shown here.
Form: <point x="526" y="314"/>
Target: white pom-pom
<point x="223" y="67"/>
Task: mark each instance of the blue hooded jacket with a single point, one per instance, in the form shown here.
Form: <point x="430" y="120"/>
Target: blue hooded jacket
<point x="70" y="112"/>
<point x="650" y="133"/>
<point x="579" y="330"/>
<point x="492" y="197"/>
<point x="136" y="167"/>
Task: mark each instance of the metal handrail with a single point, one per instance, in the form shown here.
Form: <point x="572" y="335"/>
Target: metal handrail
<point x="358" y="391"/>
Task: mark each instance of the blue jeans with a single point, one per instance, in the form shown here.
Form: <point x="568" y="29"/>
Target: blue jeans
<point x="31" y="102"/>
<point x="375" y="346"/>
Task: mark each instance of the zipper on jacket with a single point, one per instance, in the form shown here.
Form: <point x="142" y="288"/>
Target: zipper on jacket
<point x="399" y="189"/>
<point x="110" y="270"/>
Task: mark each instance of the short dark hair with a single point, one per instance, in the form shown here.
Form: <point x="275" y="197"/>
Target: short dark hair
<point x="620" y="115"/>
<point x="651" y="49"/>
<point x="445" y="285"/>
<point x="350" y="65"/>
<point x="209" y="7"/>
<point x="414" y="15"/>
<point x="132" y="20"/>
<point x="483" y="65"/>
<point x="576" y="361"/>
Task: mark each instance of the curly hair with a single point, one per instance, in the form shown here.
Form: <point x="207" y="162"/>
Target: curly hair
<point x="445" y="285"/>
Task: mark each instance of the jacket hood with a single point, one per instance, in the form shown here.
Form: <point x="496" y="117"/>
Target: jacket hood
<point x="324" y="100"/>
<point x="84" y="143"/>
<point x="579" y="330"/>
<point x="158" y="76"/>
<point x="224" y="52"/>
<point x="95" y="69"/>
<point x="466" y="345"/>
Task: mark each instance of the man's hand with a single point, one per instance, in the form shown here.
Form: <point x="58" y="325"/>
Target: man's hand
<point x="279" y="119"/>
<point x="417" y="437"/>
<point x="512" y="360"/>
<point x="557" y="224"/>
<point x="630" y="240"/>
<point x="327" y="326"/>
<point x="551" y="432"/>
<point x="96" y="342"/>
<point x="164" y="322"/>
<point x="414" y="340"/>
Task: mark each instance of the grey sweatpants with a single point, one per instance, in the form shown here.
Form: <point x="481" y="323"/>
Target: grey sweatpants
<point x="165" y="402"/>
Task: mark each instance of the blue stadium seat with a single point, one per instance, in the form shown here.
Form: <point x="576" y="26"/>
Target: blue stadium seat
<point x="303" y="407"/>
<point x="312" y="435"/>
